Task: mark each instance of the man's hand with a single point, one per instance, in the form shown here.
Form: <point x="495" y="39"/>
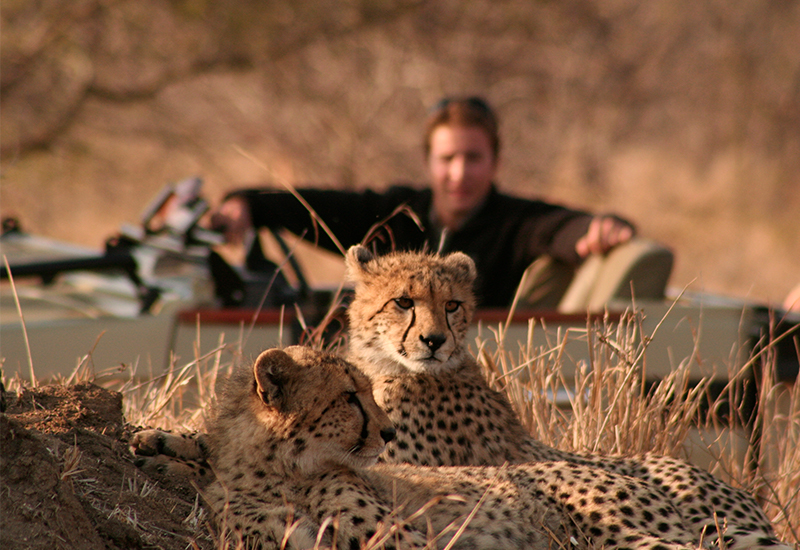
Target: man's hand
<point x="605" y="232"/>
<point x="233" y="218"/>
<point x="792" y="301"/>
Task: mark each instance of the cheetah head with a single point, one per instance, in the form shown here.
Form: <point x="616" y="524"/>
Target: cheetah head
<point x="411" y="310"/>
<point x="302" y="410"/>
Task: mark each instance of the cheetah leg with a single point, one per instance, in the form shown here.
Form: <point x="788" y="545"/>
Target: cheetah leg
<point x="181" y="456"/>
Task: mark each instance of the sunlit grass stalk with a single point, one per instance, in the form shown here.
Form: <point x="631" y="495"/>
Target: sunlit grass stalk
<point x="609" y="407"/>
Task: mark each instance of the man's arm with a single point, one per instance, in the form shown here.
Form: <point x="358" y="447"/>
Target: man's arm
<point x="349" y="215"/>
<point x="571" y="235"/>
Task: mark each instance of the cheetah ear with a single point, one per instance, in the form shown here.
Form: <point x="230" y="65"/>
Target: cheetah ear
<point x="356" y="261"/>
<point x="463" y="265"/>
<point x="271" y="371"/>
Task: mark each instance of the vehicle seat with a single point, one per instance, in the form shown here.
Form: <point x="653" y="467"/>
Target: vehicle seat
<point x="639" y="268"/>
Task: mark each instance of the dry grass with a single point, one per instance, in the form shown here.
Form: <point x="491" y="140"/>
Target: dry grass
<point x="777" y="475"/>
<point x="181" y="399"/>
<point x="606" y="407"/>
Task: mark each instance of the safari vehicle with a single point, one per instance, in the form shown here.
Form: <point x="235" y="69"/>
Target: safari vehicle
<point x="63" y="305"/>
<point x="160" y="294"/>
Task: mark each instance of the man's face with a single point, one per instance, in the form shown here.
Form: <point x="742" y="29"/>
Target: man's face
<point x="462" y="167"/>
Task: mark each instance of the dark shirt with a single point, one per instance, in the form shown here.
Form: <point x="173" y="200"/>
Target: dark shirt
<point x="503" y="236"/>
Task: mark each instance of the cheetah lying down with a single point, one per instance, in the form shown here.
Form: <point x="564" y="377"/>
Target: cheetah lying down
<point x="292" y="447"/>
<point x="408" y="326"/>
<point x="408" y="323"/>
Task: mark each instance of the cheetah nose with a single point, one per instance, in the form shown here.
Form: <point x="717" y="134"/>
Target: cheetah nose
<point x="388" y="434"/>
<point x="434" y="341"/>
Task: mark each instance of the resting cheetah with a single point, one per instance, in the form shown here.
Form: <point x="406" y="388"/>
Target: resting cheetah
<point x="293" y="441"/>
<point x="408" y="322"/>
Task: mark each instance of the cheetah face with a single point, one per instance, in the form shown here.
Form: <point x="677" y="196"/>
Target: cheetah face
<point x="411" y="311"/>
<point x="320" y="407"/>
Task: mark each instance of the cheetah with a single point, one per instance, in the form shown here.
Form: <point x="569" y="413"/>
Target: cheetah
<point x="408" y="323"/>
<point x="294" y="446"/>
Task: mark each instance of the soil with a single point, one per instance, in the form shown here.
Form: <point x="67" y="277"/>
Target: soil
<point x="68" y="479"/>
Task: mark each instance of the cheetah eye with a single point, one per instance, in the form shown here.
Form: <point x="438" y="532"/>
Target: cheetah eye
<point x="351" y="396"/>
<point x="404" y="303"/>
<point x="452" y="306"/>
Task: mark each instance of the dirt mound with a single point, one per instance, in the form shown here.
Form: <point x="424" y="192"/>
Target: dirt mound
<point x="68" y="479"/>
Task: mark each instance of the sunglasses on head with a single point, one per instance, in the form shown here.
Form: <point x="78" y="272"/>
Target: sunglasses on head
<point x="474" y="102"/>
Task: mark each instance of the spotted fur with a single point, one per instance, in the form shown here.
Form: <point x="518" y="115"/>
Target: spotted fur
<point x="292" y="446"/>
<point x="446" y="413"/>
<point x="408" y="324"/>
